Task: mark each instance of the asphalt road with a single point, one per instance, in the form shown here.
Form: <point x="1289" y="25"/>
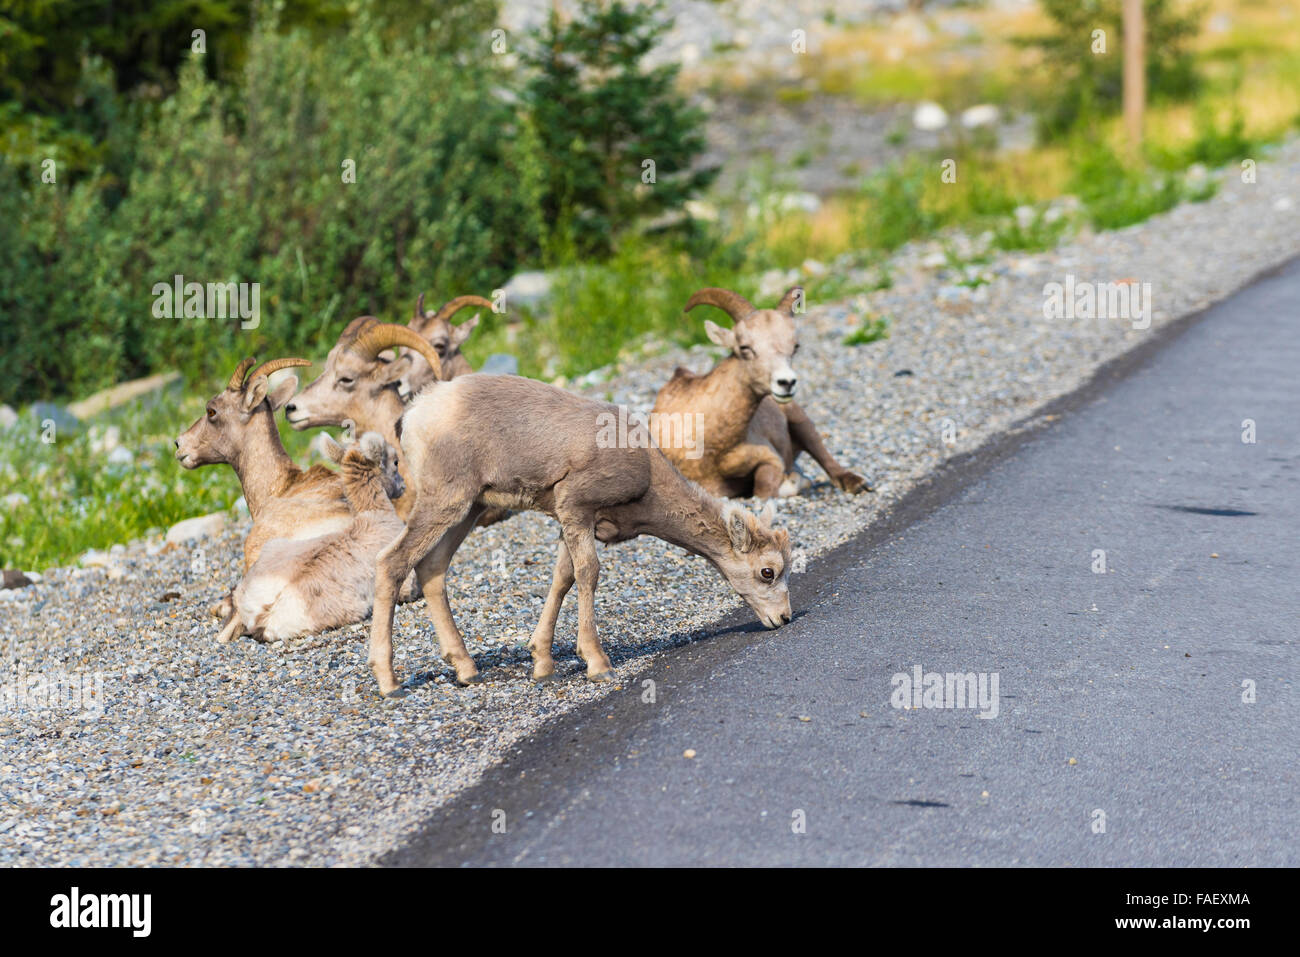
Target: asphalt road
<point x="1121" y="735"/>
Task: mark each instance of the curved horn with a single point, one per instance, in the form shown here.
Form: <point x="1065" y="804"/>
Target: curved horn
<point x="237" y="377"/>
<point x="733" y="304"/>
<point x="419" y="307"/>
<point x="459" y="303"/>
<point x="275" y="365"/>
<point x="375" y="338"/>
<point x="786" y="304"/>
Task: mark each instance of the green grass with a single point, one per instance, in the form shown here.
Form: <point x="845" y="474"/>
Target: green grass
<point x="871" y="329"/>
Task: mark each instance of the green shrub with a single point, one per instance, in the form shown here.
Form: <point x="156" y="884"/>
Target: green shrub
<point x="601" y="115"/>
<point x="1079" y="81"/>
<point x="248" y="186"/>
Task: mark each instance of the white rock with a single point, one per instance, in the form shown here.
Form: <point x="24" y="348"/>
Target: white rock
<point x="1283" y="203"/>
<point x="697" y="209"/>
<point x="799" y="202"/>
<point x="204" y="526"/>
<point x="929" y="117"/>
<point x="985" y="114"/>
<point x="813" y="267"/>
<point x="8" y="417"/>
<point x="527" y="289"/>
<point x="95" y="559"/>
<point x="240" y="508"/>
<point x="773" y="283"/>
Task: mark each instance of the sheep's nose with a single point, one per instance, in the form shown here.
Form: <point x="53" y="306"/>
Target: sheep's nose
<point x="290" y="408"/>
<point x="177" y="443"/>
<point x="787" y="384"/>
<point x="785" y="619"/>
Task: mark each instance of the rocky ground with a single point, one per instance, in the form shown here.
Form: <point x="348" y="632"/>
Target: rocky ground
<point x="162" y="748"/>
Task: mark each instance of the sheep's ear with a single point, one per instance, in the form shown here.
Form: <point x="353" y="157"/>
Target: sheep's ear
<point x="742" y="540"/>
<point x="392" y="371"/>
<point x="460" y="333"/>
<point x="372" y="446"/>
<point x="254" y="393"/>
<point x="332" y="448"/>
<point x="718" y="335"/>
<point x="768" y="514"/>
<point x="284" y="390"/>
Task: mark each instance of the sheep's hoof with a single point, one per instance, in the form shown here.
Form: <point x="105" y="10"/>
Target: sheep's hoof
<point x="401" y="691"/>
<point x="474" y="679"/>
<point x="602" y="676"/>
<point x="540" y="680"/>
<point x="853" y="483"/>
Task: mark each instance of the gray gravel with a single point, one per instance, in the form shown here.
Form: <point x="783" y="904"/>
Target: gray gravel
<point x="248" y="754"/>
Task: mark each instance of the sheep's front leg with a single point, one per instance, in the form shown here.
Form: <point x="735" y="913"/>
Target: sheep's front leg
<point x="544" y="633"/>
<point x="396" y="561"/>
<point x="760" y="461"/>
<point x="804" y="436"/>
<point x="581" y="542"/>
<point x="432" y="573"/>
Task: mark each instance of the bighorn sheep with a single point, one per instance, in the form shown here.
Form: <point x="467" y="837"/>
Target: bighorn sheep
<point x="304" y="586"/>
<point x="752" y="429"/>
<point x="480" y="441"/>
<point x="238" y="429"/>
<point x="359" y="386"/>
<point x="446" y="340"/>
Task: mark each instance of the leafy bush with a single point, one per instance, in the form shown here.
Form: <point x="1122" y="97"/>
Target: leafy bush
<point x="249" y="186"/>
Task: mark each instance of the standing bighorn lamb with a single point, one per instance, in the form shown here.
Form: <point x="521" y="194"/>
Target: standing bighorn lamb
<point x="752" y="429"/>
<point x="300" y="587"/>
<point x="481" y="441"/>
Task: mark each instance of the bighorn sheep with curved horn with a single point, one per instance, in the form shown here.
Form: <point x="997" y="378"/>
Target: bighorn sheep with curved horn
<point x="752" y="430"/>
<point x="359" y="386"/>
<point x="480" y="441"/>
<point x="445" y="338"/>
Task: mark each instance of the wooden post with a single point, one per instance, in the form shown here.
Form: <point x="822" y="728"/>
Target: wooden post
<point x="1135" y="75"/>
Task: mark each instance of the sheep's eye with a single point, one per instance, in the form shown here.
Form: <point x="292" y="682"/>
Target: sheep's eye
<point x="212" y="414"/>
<point x="767" y="574"/>
<point x="746" y="352"/>
<point x="796" y="347"/>
<point x="441" y="349"/>
<point x="344" y="380"/>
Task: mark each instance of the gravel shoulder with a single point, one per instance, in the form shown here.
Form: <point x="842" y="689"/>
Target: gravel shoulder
<point x="164" y="748"/>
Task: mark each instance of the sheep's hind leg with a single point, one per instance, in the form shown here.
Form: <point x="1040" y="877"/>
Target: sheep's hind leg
<point x="581" y="542"/>
<point x="544" y="633"/>
<point x="432" y="573"/>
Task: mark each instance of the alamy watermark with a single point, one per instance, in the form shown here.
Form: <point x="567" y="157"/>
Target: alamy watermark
<point x="1080" y="299"/>
<point x="949" y="690"/>
<point x="639" y="430"/>
<point x="76" y="691"/>
<point x="214" y="300"/>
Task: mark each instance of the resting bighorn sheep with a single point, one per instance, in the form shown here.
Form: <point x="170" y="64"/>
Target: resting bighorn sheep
<point x="359" y="386"/>
<point x="481" y="441"/>
<point x="300" y="587"/>
<point x="238" y="429"/>
<point x="445" y="338"/>
<point x="752" y="429"/>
